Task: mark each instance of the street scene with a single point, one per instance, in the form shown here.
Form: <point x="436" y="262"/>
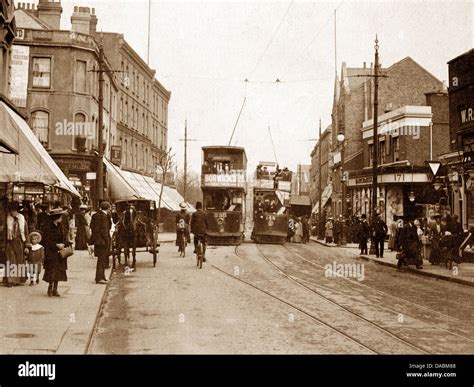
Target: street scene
<point x="244" y="178"/>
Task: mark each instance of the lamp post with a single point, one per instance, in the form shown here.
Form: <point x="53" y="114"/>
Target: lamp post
<point x="341" y="138"/>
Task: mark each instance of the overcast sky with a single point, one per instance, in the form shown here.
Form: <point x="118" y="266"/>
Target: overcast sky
<point x="204" y="51"/>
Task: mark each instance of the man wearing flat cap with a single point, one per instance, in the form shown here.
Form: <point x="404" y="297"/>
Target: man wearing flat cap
<point x="100" y="238"/>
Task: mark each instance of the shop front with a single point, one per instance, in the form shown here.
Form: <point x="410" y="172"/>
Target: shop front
<point x="405" y="192"/>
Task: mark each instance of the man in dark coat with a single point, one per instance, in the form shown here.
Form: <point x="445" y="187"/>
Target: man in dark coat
<point x="100" y="238"/>
<point x="363" y="234"/>
<point x="42" y="218"/>
<point x="379" y="233"/>
<point x="199" y="227"/>
<point x="53" y="241"/>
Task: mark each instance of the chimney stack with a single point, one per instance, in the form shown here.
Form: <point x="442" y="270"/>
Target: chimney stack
<point x="93" y="23"/>
<point x="81" y="20"/>
<point x="50" y="12"/>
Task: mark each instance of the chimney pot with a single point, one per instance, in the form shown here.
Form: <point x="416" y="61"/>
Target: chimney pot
<point x="76" y="8"/>
<point x="93" y="11"/>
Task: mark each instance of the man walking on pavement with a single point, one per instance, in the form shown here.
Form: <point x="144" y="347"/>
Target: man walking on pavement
<point x="379" y="232"/>
<point x="363" y="234"/>
<point x="100" y="238"/>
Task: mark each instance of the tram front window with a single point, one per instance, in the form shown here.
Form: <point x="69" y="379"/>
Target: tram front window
<point x="222" y="201"/>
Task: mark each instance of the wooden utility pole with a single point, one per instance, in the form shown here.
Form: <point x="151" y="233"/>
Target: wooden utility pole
<point x="100" y="142"/>
<point x="185" y="172"/>
<point x="320" y="186"/>
<point x="185" y="177"/>
<point x="375" y="131"/>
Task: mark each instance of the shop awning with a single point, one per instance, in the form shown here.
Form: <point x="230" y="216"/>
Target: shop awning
<point x="130" y="185"/>
<point x="300" y="200"/>
<point x="326" y="195"/>
<point x="32" y="164"/>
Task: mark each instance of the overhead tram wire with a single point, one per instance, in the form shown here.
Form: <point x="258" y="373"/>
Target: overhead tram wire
<point x="313" y="39"/>
<point x="271" y="39"/>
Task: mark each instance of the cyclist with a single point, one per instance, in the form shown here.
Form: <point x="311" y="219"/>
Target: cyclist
<point x="199" y="227"/>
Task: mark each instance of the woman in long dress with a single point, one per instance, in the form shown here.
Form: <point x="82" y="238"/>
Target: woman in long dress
<point x="17" y="232"/>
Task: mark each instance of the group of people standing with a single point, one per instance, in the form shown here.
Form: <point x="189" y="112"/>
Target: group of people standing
<point x="38" y="238"/>
<point x="32" y="245"/>
<point x="298" y="229"/>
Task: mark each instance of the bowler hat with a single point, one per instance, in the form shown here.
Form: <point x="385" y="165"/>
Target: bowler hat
<point x="182" y="205"/>
<point x="104" y="205"/>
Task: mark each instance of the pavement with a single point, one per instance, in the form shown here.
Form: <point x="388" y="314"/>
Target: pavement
<point x="33" y="323"/>
<point x="462" y="274"/>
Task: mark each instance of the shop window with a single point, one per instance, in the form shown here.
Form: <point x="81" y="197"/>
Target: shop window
<point x="42" y="72"/>
<point x="40" y="126"/>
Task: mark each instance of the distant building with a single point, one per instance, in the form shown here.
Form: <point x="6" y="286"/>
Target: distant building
<point x="324" y="146"/>
<point x="143" y="107"/>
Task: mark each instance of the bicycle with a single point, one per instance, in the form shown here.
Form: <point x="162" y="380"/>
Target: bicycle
<point x="182" y="243"/>
<point x="200" y="251"/>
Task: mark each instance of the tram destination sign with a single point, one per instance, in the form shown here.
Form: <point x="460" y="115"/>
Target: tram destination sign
<point x="224" y="180"/>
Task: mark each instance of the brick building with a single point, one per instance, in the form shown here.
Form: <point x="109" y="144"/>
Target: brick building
<point x="142" y="128"/>
<point x="324" y="146"/>
<point x="8" y="30"/>
<point x="60" y="97"/>
<point x="459" y="166"/>
<point x="406" y="84"/>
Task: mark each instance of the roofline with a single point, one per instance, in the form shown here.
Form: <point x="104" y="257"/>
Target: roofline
<point x="414" y="61"/>
<point x="471" y="51"/>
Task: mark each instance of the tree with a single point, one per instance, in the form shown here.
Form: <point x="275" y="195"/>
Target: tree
<point x="193" y="190"/>
<point x="165" y="163"/>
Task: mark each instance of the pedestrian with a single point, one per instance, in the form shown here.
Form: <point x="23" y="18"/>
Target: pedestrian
<point x="306" y="229"/>
<point x="55" y="267"/>
<point x="81" y="226"/>
<point x="182" y="228"/>
<point x="100" y="238"/>
<point x="363" y="234"/>
<point x="379" y="234"/>
<point x="291" y="229"/>
<point x="392" y="234"/>
<point x="35" y="256"/>
<point x="298" y="237"/>
<point x="329" y="230"/>
<point x="410" y="245"/>
<point x="42" y="218"/>
<point x="436" y="231"/>
<point x="17" y="231"/>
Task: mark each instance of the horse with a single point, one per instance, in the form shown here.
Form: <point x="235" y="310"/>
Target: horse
<point x="126" y="235"/>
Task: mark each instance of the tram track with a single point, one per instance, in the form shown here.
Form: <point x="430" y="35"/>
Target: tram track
<point x="353" y="313"/>
<point x="395" y="346"/>
<point x="295" y="307"/>
<point x="446" y="317"/>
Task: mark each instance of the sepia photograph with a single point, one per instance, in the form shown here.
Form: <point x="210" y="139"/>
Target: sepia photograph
<point x="237" y="178"/>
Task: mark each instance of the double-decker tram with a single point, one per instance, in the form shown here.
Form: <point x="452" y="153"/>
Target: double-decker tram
<point x="271" y="194"/>
<point x="224" y="187"/>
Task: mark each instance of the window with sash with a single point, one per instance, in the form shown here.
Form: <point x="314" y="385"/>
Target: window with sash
<point x="42" y="72"/>
<point x="40" y="126"/>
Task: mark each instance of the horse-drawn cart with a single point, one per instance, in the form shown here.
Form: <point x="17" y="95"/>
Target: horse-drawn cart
<point x="136" y="227"/>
